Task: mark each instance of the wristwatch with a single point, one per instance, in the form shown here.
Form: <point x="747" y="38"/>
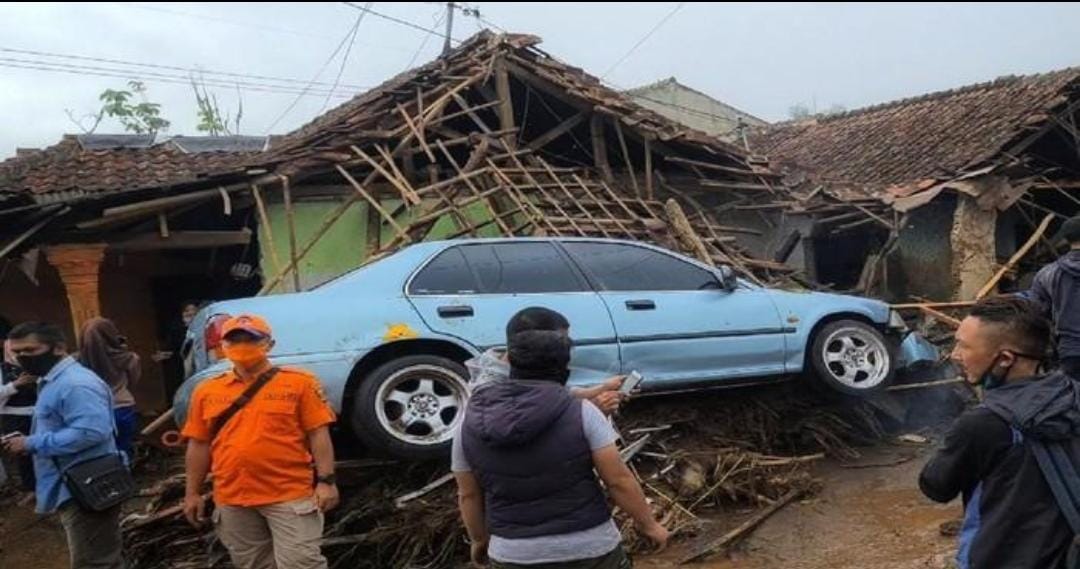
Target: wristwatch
<point x="327" y="479"/>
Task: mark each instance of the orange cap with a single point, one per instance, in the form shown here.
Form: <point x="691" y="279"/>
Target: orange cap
<point x="248" y="323"/>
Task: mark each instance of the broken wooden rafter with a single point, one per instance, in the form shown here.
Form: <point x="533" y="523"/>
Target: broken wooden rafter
<point x="375" y="204"/>
<point x="1023" y="250"/>
<point x="419" y="134"/>
<point x="407" y="193"/>
<point x="264" y="222"/>
<point x="732" y="537"/>
<point x="468" y="183"/>
<point x="626" y="157"/>
<point x="291" y="223"/>
<point x="556" y="131"/>
<point x="599" y="145"/>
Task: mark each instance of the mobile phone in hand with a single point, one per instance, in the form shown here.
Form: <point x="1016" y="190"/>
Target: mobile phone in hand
<point x="632" y="381"/>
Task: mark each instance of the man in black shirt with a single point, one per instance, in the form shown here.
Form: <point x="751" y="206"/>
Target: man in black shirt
<point x="1011" y="519"/>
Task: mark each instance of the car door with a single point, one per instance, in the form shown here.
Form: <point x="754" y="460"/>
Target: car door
<point x="674" y="319"/>
<point x="471" y="291"/>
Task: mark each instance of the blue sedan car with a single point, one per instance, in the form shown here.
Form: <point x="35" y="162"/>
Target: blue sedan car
<point x="390" y="340"/>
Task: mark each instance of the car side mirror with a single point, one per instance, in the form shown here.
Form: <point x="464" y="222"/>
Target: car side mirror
<point x="727" y="278"/>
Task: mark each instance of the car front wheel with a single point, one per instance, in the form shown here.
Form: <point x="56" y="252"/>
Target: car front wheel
<point x="852" y="357"/>
<point x="410" y="407"/>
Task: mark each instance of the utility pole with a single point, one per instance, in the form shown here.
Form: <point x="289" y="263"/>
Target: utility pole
<point x="449" y="26"/>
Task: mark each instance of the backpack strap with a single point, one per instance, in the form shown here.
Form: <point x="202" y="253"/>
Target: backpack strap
<point x="1061" y="476"/>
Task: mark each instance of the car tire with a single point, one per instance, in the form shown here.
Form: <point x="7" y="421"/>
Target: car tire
<point x="410" y="407"/>
<point x="852" y="357"/>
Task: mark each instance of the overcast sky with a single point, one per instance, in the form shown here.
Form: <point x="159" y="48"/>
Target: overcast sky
<point x="762" y="58"/>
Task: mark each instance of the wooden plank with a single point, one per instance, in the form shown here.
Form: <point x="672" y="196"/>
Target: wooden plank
<point x="472" y="113"/>
<point x="685" y="232"/>
<point x="626" y="157"/>
<point x="522" y="200"/>
<point x="407" y="193"/>
<point x="1023" y="250"/>
<point x="291" y="222"/>
<point x="14" y="243"/>
<point x="468" y="183"/>
<point x="506" y="102"/>
<point x="918" y="305"/>
<point x="945" y="318"/>
<point x="649" y="194"/>
<point x="293" y="266"/>
<point x="554" y="202"/>
<point x="182" y="240"/>
<point x="556" y="131"/>
<point x="419" y="134"/>
<point x="264" y="222"/>
<point x="374" y="232"/>
<point x="709" y="166"/>
<point x="733" y="536"/>
<point x="375" y="204"/>
<point x="599" y="144"/>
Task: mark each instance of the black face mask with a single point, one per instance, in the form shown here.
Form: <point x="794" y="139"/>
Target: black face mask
<point x="991" y="379"/>
<point x="40" y="364"/>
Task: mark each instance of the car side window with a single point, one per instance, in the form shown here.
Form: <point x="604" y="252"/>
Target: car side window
<point x="448" y="273"/>
<point x="619" y="267"/>
<point x="521" y="268"/>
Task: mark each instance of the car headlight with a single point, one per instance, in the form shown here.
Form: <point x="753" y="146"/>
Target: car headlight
<point x="897" y="322"/>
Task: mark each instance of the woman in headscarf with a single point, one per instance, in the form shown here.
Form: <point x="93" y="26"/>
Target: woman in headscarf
<point x="105" y="351"/>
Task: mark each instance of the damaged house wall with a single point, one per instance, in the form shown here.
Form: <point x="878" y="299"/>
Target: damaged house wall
<point x="1005" y="150"/>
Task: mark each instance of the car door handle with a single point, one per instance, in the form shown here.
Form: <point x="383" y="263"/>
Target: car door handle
<point x="641" y="305"/>
<point x="460" y="311"/>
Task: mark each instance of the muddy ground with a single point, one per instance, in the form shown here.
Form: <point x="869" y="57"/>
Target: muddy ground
<point x="866" y="516"/>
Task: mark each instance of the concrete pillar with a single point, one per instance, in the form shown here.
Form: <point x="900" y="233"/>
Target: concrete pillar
<point x="79" y="266"/>
<point x="974" y="254"/>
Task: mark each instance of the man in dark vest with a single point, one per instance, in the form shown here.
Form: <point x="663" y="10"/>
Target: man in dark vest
<point x="524" y="462"/>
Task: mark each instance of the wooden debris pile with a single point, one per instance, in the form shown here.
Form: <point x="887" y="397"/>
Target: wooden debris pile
<point x="696" y="457"/>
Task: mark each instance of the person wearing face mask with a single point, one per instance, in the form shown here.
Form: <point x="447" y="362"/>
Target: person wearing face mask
<point x="18" y="393"/>
<point x="259" y="429"/>
<point x="990" y="454"/>
<point x="527" y="458"/>
<point x="73" y="422"/>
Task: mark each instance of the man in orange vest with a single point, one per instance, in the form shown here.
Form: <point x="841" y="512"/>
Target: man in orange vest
<point x="258" y="429"/>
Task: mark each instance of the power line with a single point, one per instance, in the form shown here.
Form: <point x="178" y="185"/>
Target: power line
<point x="167" y="67"/>
<point x="318" y="73"/>
<point x="439" y="20"/>
<point x="345" y="58"/>
<point x="644" y="38"/>
<point x="405" y="23"/>
<point x="246" y="24"/>
<point x="73" y="69"/>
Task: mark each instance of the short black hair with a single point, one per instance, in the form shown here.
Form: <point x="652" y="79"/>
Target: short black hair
<point x="536" y="318"/>
<point x="45" y="332"/>
<point x="1070" y="230"/>
<point x="1020" y="320"/>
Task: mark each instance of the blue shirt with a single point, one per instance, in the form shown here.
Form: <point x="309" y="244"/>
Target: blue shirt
<point x="73" y="421"/>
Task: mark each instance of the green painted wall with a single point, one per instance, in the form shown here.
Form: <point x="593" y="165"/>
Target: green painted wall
<point x="344" y="246"/>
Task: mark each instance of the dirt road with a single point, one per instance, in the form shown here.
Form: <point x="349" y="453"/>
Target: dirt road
<point x="864" y="517"/>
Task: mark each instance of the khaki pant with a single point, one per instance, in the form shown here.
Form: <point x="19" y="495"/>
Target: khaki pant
<point x="277" y="536"/>
<point x="93" y="538"/>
